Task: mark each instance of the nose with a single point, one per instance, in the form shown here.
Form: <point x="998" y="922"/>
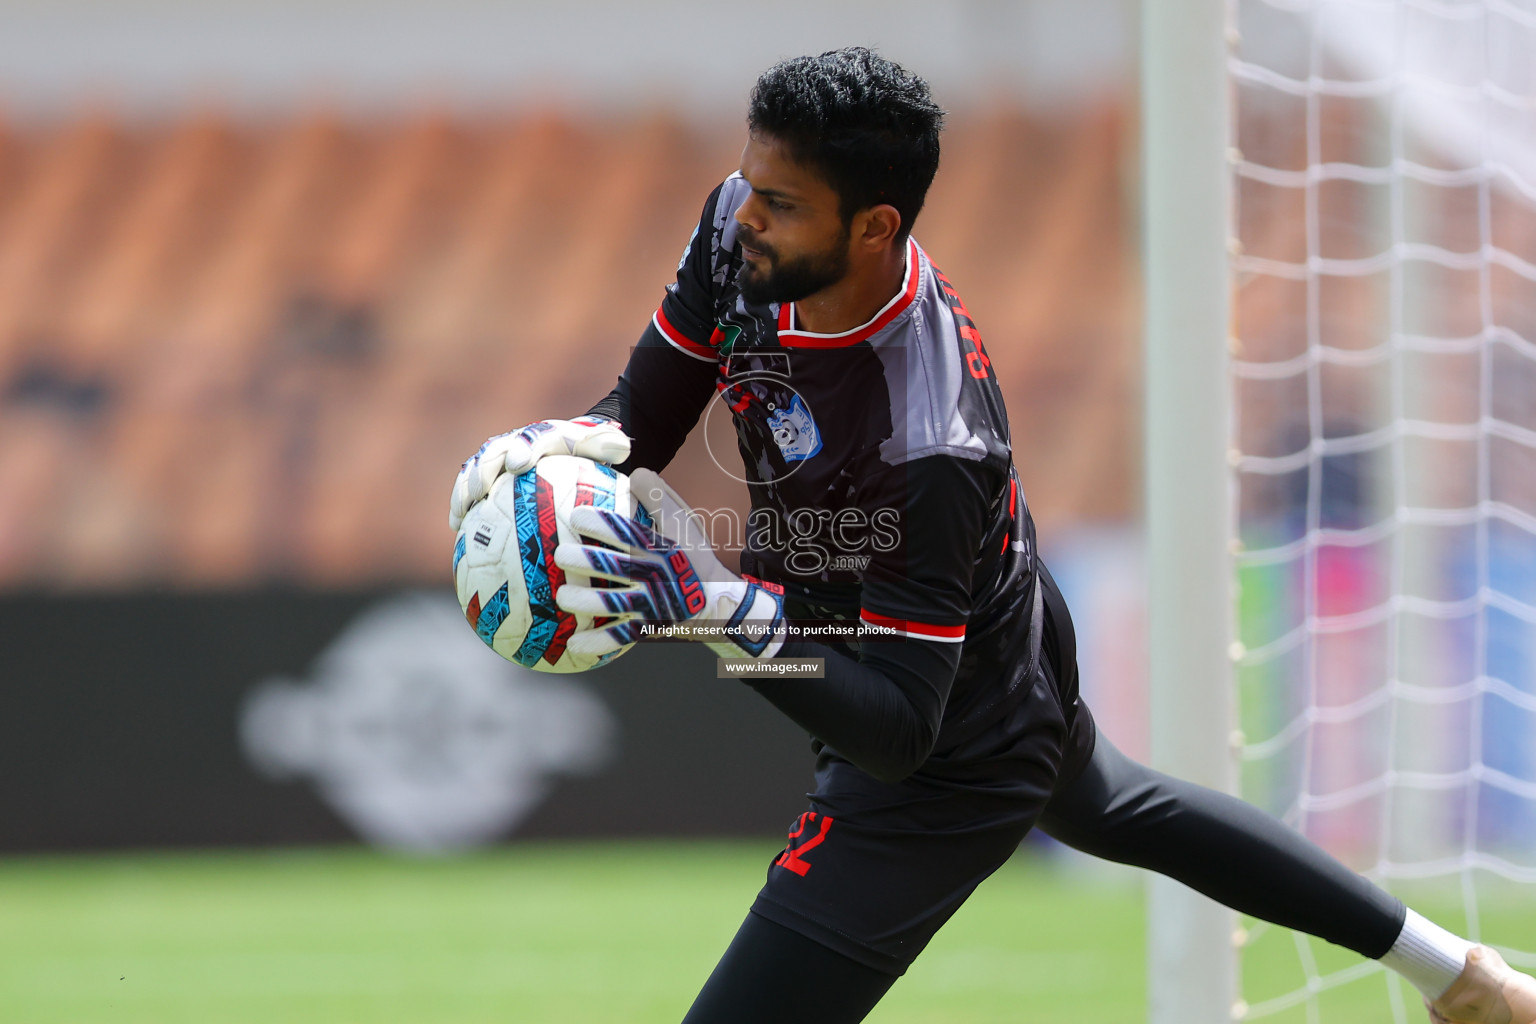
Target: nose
<point x="749" y="213"/>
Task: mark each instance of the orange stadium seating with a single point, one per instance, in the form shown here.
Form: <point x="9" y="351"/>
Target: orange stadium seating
<point x="239" y="352"/>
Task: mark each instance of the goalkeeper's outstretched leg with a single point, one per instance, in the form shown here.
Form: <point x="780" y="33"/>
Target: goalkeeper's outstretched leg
<point x="1239" y="856"/>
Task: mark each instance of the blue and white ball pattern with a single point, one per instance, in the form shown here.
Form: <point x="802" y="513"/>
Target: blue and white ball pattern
<point x="504" y="560"/>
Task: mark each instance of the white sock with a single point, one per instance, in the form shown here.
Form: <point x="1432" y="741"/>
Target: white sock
<point x="1427" y="955"/>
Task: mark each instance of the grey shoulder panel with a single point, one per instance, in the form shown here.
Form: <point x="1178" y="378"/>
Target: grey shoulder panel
<point x="924" y="372"/>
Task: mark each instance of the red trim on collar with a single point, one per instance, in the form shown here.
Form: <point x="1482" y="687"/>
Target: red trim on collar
<point x="791" y="338"/>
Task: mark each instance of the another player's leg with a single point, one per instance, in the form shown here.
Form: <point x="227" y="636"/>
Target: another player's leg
<point x="771" y="974"/>
<point x="1241" y="857"/>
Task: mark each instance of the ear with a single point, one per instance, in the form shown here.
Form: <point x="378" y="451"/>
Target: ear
<point x="875" y="228"/>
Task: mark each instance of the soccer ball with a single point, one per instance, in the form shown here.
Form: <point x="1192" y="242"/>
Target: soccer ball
<point x="504" y="560"/>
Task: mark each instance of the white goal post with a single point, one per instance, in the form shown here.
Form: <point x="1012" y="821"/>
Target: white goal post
<point x="1191" y="962"/>
<point x="1340" y="266"/>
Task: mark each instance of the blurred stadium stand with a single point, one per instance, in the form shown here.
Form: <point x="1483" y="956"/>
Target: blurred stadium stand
<point x="238" y="349"/>
<point x="270" y="270"/>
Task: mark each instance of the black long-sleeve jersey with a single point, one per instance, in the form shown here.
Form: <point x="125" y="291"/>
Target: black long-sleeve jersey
<point x="883" y="489"/>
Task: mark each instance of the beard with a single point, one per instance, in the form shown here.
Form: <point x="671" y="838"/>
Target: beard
<point x="790" y="279"/>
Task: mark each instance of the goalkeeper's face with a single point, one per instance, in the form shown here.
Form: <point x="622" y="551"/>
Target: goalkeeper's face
<point x="794" y="240"/>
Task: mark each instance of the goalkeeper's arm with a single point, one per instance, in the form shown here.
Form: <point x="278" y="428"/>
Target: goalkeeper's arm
<point x="658" y="399"/>
<point x="882" y="711"/>
<point x="671" y="376"/>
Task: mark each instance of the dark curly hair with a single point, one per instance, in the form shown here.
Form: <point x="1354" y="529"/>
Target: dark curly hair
<point x="868" y="125"/>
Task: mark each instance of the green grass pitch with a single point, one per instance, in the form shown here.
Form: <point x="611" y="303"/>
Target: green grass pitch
<point x="568" y="933"/>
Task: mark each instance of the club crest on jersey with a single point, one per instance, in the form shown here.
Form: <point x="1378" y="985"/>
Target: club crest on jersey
<point x="794" y="431"/>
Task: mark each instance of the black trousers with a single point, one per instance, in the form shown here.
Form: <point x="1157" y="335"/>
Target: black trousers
<point x="1116" y="809"/>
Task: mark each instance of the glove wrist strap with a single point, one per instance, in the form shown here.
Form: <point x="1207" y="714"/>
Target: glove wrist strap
<point x="755" y="626"/>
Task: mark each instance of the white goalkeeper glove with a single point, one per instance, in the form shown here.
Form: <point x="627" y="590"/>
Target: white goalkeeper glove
<point x="593" y="437"/>
<point x="661" y="577"/>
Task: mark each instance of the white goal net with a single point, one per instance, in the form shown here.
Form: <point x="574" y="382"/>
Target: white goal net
<point x="1384" y="456"/>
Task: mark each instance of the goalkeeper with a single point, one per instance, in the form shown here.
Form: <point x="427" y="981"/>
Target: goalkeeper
<point x="876" y="445"/>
